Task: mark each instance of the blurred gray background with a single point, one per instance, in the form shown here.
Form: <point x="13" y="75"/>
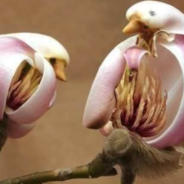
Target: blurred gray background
<point x="89" y="29"/>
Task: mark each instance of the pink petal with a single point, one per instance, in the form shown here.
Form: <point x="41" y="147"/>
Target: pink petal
<point x="45" y="45"/>
<point x="11" y="52"/>
<point x="133" y="56"/>
<point x="16" y="131"/>
<point x="39" y="102"/>
<point x="107" y="129"/>
<point x="52" y="100"/>
<point x="101" y="100"/>
<point x="174" y="134"/>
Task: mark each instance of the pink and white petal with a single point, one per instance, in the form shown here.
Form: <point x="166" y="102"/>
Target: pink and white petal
<point x="174" y="135"/>
<point x="11" y="52"/>
<point x="39" y="102"/>
<point x="45" y="45"/>
<point x="133" y="56"/>
<point x="52" y="100"/>
<point x="16" y="130"/>
<point x="101" y="99"/>
<point x="107" y="129"/>
<point x="9" y="62"/>
<point x="10" y="45"/>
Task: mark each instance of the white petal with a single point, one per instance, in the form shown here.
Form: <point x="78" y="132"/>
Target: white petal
<point x="158" y="15"/>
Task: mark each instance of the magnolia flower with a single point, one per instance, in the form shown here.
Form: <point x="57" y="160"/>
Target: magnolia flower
<point x="29" y="65"/>
<point x="140" y="83"/>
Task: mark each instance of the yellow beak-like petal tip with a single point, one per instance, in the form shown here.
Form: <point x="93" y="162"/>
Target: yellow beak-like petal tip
<point x="132" y="27"/>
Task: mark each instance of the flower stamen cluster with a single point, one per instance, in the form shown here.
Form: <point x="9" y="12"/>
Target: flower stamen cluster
<point x="141" y="104"/>
<point x="24" y="84"/>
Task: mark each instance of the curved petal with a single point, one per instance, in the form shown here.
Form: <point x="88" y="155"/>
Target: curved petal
<point x="16" y="130"/>
<point x="52" y="100"/>
<point x="101" y="99"/>
<point x="11" y="51"/>
<point x="107" y="129"/>
<point x="174" y="135"/>
<point x="133" y="56"/>
<point x="39" y="102"/>
<point x="10" y="46"/>
<point x="46" y="45"/>
<point x="158" y="15"/>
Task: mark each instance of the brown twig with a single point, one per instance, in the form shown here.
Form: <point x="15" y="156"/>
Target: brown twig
<point x="124" y="148"/>
<point x="98" y="167"/>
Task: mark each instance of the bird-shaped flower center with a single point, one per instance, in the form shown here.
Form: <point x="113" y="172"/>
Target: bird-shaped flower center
<point x="147" y="36"/>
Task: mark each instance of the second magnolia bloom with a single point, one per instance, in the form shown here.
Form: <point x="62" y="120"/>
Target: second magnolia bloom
<point x="135" y="89"/>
